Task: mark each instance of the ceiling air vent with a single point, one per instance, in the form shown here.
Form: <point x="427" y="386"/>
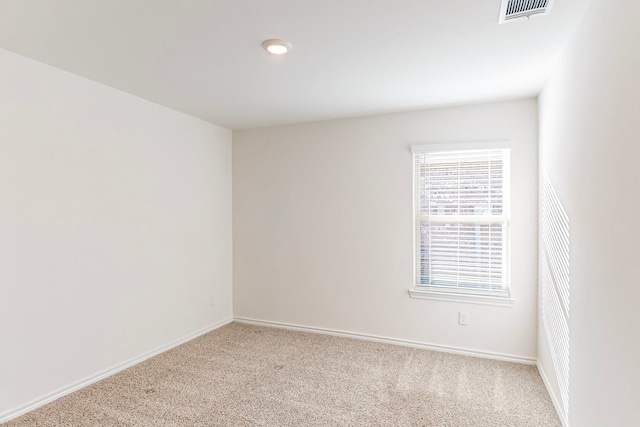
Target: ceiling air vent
<point x="514" y="9"/>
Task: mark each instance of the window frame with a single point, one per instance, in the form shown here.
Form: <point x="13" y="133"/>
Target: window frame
<point x="501" y="297"/>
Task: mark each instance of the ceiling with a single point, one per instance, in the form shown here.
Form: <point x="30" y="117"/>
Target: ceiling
<point x="349" y="58"/>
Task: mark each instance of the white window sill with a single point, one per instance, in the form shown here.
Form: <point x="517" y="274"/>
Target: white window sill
<point x="468" y="298"/>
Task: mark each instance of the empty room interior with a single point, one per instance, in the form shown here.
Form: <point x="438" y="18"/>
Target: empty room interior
<point x="319" y="212"/>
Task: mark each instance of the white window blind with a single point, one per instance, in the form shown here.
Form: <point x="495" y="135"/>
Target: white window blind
<point x="461" y="214"/>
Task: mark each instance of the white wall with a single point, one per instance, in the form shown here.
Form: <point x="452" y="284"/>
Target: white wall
<point x="115" y="228"/>
<point x="323" y="227"/>
<point x="590" y="147"/>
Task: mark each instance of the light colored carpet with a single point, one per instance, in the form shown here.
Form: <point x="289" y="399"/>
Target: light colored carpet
<point x="241" y="375"/>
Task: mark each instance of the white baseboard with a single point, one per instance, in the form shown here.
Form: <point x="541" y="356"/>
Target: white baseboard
<point x="36" y="403"/>
<point x="387" y="340"/>
<point x="556" y="403"/>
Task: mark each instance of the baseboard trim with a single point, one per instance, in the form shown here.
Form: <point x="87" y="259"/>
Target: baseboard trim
<point x="556" y="403"/>
<point x="388" y="340"/>
<point x="36" y="403"/>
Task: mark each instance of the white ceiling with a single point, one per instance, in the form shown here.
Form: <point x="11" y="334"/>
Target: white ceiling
<point x="349" y="57"/>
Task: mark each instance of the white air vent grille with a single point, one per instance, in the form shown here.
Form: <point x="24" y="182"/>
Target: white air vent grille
<point x="514" y="9"/>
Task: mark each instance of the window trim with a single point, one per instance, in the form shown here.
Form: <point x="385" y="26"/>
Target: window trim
<point x="501" y="297"/>
<point x="501" y="300"/>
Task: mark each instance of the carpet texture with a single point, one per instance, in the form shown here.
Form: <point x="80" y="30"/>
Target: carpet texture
<point x="241" y="375"/>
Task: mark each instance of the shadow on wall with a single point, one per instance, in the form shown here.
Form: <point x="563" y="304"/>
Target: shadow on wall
<point x="555" y="284"/>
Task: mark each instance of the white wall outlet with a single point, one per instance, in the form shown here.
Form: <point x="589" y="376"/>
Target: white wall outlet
<point x="463" y="318"/>
<point x="212" y="300"/>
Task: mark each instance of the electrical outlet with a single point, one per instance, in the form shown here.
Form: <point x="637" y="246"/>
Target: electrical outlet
<point x="463" y="318"/>
<point x="212" y="301"/>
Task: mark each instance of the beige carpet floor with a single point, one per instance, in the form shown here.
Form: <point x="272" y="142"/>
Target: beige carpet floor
<point x="241" y="375"/>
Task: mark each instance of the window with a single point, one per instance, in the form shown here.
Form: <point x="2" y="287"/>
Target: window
<point x="461" y="220"/>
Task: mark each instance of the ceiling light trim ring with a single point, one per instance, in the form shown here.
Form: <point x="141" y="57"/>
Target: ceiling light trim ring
<point x="277" y="46"/>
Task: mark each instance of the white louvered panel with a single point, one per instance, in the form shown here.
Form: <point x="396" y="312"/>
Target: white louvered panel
<point x="514" y="9"/>
<point x="522" y="6"/>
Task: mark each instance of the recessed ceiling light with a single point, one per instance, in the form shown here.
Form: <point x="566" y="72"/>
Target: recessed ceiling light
<point x="276" y="46"/>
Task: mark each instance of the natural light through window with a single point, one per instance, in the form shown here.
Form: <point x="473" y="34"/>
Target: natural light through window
<point x="461" y="213"/>
<point x="555" y="284"/>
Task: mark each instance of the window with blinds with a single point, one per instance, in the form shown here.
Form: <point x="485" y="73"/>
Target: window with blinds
<point x="461" y="219"/>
